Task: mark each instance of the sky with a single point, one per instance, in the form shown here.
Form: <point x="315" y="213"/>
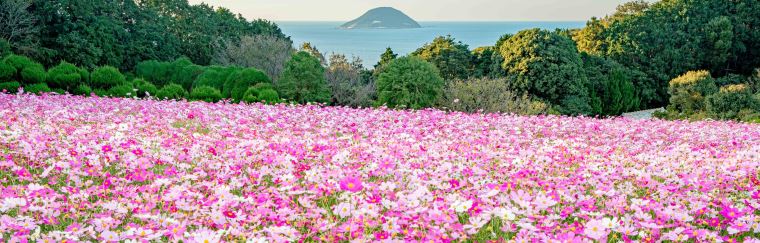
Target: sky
<point x="422" y="10"/>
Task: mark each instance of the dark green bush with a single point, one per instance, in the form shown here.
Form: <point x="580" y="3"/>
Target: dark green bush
<point x="688" y="91"/>
<point x="65" y="76"/>
<point x="144" y="88"/>
<point x="37" y="88"/>
<point x="27" y="71"/>
<point x="7" y="72"/>
<point x="304" y="80"/>
<point x="100" y="92"/>
<point x="10" y="87"/>
<point x="731" y="99"/>
<point x="261" y="92"/>
<point x="155" y="71"/>
<point x="172" y="92"/>
<point x="239" y="82"/>
<point x="82" y="89"/>
<point x="187" y="75"/>
<point x="33" y="74"/>
<point x="122" y="90"/>
<point x="106" y="77"/>
<point x="215" y="76"/>
<point x="58" y="91"/>
<point x="5" y="48"/>
<point x="206" y="93"/>
<point x="409" y="82"/>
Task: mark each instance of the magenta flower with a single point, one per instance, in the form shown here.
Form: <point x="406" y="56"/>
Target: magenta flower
<point x="730" y="213"/>
<point x="351" y="183"/>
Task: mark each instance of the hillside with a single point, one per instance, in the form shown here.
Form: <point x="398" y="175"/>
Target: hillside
<point x="382" y="18"/>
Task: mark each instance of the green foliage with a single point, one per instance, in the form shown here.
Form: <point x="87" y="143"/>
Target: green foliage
<point x="239" y="82"/>
<point x="145" y="88"/>
<point x="106" y="77"/>
<point x="122" y="34"/>
<point x="611" y="89"/>
<point x="669" y="38"/>
<point x="27" y="71"/>
<point x="385" y="58"/>
<point x="162" y="73"/>
<point x="33" y="74"/>
<point x="187" y="75"/>
<point x="100" y="92"/>
<point x="483" y="62"/>
<point x="37" y="88"/>
<point x="730" y="79"/>
<point x="409" y="82"/>
<point x="215" y="77"/>
<point x="304" y="80"/>
<point x="688" y="91"/>
<point x="261" y="92"/>
<point x="125" y="90"/>
<point x="545" y="64"/>
<point x="205" y="93"/>
<point x="730" y="101"/>
<point x="7" y="72"/>
<point x="5" y="48"/>
<point x="452" y="58"/>
<point x="65" y="76"/>
<point x="10" y="87"/>
<point x="348" y="82"/>
<point x="488" y="95"/>
<point x="82" y="89"/>
<point x="172" y="92"/>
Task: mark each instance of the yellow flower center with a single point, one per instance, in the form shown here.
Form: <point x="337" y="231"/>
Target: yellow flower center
<point x="350" y="185"/>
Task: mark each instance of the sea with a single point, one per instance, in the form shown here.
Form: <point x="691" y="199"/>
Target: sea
<point x="368" y="44"/>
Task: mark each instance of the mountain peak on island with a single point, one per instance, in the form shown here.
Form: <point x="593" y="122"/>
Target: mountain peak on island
<point x="382" y="18"/>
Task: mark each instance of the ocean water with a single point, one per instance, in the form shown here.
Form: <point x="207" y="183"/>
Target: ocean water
<point x="368" y="44"/>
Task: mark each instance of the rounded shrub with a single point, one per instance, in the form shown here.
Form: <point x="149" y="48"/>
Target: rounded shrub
<point x="729" y="101"/>
<point x="10" y="87"/>
<point x="409" y="82"/>
<point x="214" y="77"/>
<point x="145" y="88"/>
<point x="82" y="89"/>
<point x="33" y="74"/>
<point x="172" y="92"/>
<point x="239" y="82"/>
<point x="122" y="90"/>
<point x="27" y="70"/>
<point x="688" y="91"/>
<point x="37" y="88"/>
<point x="187" y="75"/>
<point x="6" y="71"/>
<point x="65" y="76"/>
<point x="261" y="92"/>
<point x="206" y="93"/>
<point x="106" y="77"/>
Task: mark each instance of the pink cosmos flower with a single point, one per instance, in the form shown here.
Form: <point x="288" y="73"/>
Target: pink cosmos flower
<point x="595" y="229"/>
<point x="730" y="213"/>
<point x="351" y="183"/>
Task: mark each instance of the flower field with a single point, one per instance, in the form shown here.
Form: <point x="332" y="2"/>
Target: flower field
<point x="84" y="169"/>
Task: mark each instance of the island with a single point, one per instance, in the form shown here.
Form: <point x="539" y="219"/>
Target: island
<point x="382" y="18"/>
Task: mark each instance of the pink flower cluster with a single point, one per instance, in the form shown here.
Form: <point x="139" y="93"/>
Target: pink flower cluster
<point x="84" y="169"/>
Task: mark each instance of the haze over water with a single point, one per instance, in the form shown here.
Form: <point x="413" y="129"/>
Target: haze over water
<point x="368" y="44"/>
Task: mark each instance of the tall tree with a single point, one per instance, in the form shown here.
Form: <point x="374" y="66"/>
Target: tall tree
<point x="304" y="80"/>
<point x="311" y="49"/>
<point x="267" y="53"/>
<point x="409" y="82"/>
<point x="451" y="57"/>
<point x="18" y="26"/>
<point x="546" y="64"/>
